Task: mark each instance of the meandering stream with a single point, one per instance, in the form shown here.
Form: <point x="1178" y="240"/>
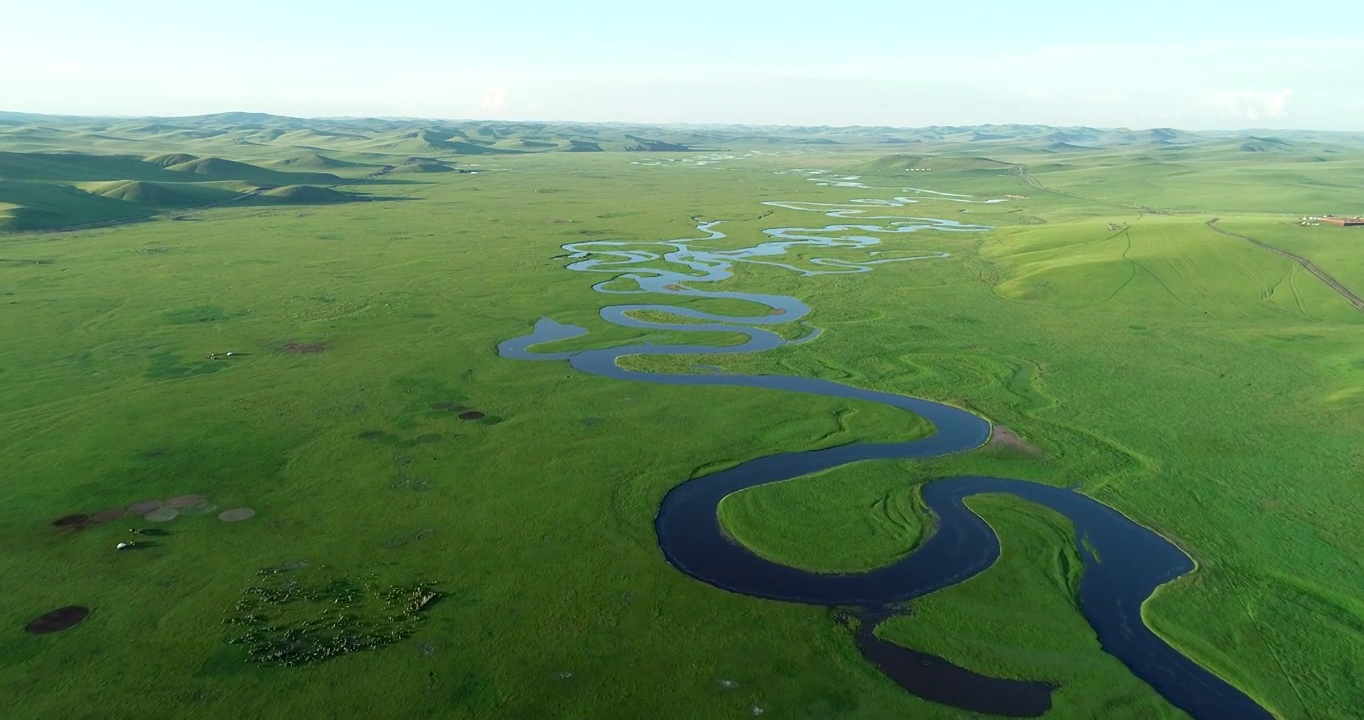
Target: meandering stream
<point x="1123" y="562"/>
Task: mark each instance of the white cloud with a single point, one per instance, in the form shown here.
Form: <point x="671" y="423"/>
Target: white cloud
<point x="495" y="100"/>
<point x="1252" y="105"/>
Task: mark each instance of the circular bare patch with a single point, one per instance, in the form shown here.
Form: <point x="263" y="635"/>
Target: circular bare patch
<point x="446" y="406"/>
<point x="236" y="514"/>
<point x="471" y="415"/>
<point x="110" y="515"/>
<point x="71" y="520"/>
<point x="165" y="514"/>
<point x="144" y="507"/>
<point x="185" y="501"/>
<point x="58" y="620"/>
<point x="203" y="508"/>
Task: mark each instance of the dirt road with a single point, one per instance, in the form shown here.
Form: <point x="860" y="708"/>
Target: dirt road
<point x="1307" y="265"/>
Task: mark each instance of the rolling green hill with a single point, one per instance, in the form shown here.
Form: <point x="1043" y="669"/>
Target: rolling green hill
<point x="247" y="136"/>
<point x="164" y="195"/>
<point x="313" y="161"/>
<point x="331" y="363"/>
<point x="168" y="159"/>
<point x="220" y="169"/>
<point x="423" y="165"/>
<point x="54" y="189"/>
<point x="307" y="194"/>
<point x="71" y="166"/>
<point x="36" y="206"/>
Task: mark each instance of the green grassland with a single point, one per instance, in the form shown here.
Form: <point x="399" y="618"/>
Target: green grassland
<point x="66" y="190"/>
<point x="1206" y="387"/>
<point x="864" y="517"/>
<point x="1037" y="631"/>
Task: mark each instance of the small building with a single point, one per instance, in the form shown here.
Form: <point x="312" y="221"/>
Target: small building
<point x="1342" y="221"/>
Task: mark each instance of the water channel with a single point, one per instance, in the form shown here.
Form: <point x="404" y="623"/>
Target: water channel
<point x="1124" y="562"/>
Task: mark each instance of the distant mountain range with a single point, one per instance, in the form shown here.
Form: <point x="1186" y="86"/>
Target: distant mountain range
<point x="64" y="172"/>
<point x="371" y="138"/>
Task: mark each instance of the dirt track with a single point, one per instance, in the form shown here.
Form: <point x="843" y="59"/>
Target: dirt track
<point x="1307" y="265"/>
<point x="1021" y="172"/>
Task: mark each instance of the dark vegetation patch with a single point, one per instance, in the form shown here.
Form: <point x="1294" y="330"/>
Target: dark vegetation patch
<point x="110" y="515"/>
<point x="71" y="521"/>
<point x="447" y="406"/>
<point x="170" y="366"/>
<point x="397" y="542"/>
<point x="58" y="620"/>
<point x="197" y="314"/>
<point x="304" y="349"/>
<point x="403" y="479"/>
<point x="386" y="438"/>
<point x="431" y="397"/>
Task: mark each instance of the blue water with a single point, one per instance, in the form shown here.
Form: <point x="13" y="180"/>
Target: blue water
<point x="1131" y="561"/>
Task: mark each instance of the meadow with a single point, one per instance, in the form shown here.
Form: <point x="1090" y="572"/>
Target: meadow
<point x="1206" y="387"/>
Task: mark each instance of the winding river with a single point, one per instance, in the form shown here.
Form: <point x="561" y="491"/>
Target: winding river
<point x="1124" y="562"/>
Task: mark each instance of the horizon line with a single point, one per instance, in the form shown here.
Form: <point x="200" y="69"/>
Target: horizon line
<point x="420" y="118"/>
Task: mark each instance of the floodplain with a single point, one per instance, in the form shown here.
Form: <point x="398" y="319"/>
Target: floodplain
<point x="301" y="319"/>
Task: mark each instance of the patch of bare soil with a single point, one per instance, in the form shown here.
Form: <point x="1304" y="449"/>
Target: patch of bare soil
<point x="1003" y="437"/>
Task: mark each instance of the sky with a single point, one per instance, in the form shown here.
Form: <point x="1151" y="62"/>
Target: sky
<point x="1196" y="64"/>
